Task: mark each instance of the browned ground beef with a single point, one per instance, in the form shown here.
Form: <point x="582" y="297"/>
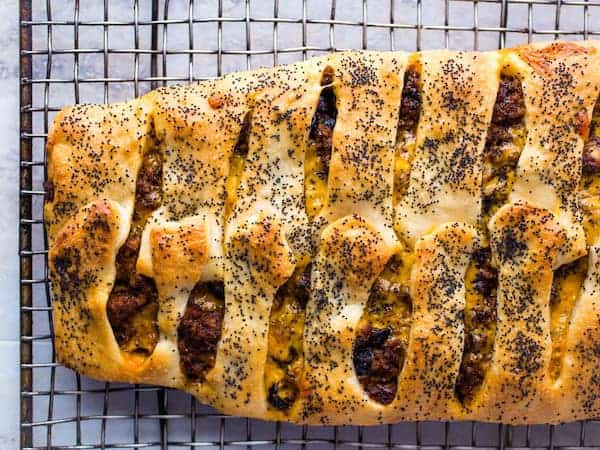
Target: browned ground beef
<point x="282" y="394"/>
<point x="472" y="371"/>
<point x="487" y="276"/>
<point x="199" y="331"/>
<point x="497" y="137"/>
<point x="132" y="291"/>
<point x="127" y="256"/>
<point x="321" y="129"/>
<point x="122" y="304"/>
<point x="410" y="106"/>
<point x="590" y="162"/>
<point x="149" y="181"/>
<point x="241" y="146"/>
<point x="125" y="301"/>
<point x="377" y="356"/>
<point x="509" y="108"/>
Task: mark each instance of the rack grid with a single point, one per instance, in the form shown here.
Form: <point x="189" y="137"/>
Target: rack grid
<point x="108" y="50"/>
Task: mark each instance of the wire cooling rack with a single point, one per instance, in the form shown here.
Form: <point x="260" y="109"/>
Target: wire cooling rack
<point x="108" y="50"/>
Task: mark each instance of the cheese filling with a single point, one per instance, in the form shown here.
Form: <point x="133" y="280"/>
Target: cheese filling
<point x="237" y="162"/>
<point x="566" y="286"/>
<point x="285" y="360"/>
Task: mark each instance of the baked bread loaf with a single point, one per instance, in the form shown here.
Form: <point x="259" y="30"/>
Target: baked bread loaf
<point x="359" y="238"/>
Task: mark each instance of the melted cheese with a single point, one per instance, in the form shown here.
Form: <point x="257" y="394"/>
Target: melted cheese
<point x="237" y="163"/>
<point x="145" y="330"/>
<point x="405" y="149"/>
<point x="392" y="309"/>
<point x="315" y="182"/>
<point x="285" y="359"/>
<point x="499" y="173"/>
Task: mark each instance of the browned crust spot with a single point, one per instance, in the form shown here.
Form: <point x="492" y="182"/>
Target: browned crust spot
<point x="215" y="101"/>
<point x="541" y="59"/>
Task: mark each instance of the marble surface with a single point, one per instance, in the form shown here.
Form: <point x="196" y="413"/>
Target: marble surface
<point x="116" y="400"/>
<point x="9" y="194"/>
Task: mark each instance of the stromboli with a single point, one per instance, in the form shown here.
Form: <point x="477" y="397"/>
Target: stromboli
<point x="359" y="238"/>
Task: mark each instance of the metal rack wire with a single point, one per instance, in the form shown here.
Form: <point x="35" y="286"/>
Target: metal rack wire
<point x="107" y="50"/>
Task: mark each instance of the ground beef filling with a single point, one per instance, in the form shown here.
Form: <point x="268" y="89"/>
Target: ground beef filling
<point x="381" y="342"/>
<point x="318" y="151"/>
<point x="127" y="303"/>
<point x="147" y="198"/>
<point x="410" y="105"/>
<point x="199" y="330"/>
<point x="286" y="327"/>
<point x="127" y="256"/>
<point x="591" y="156"/>
<point x="321" y="129"/>
<point x="504" y="143"/>
<point x="410" y="110"/>
<point x="480" y="324"/>
<point x="148" y="192"/>
<point x="132" y="305"/>
<point x="377" y="361"/>
<point x="509" y="108"/>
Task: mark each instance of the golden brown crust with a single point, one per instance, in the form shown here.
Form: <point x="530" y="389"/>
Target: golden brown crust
<point x="525" y="242"/>
<point x="84" y="145"/>
<point x="445" y="179"/>
<point x="254" y="233"/>
<point x="368" y="88"/>
<point x="557" y="92"/>
<point x="257" y="251"/>
<point x="578" y="390"/>
<point x="79" y="271"/>
<point x="352" y="253"/>
<point x="434" y="352"/>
